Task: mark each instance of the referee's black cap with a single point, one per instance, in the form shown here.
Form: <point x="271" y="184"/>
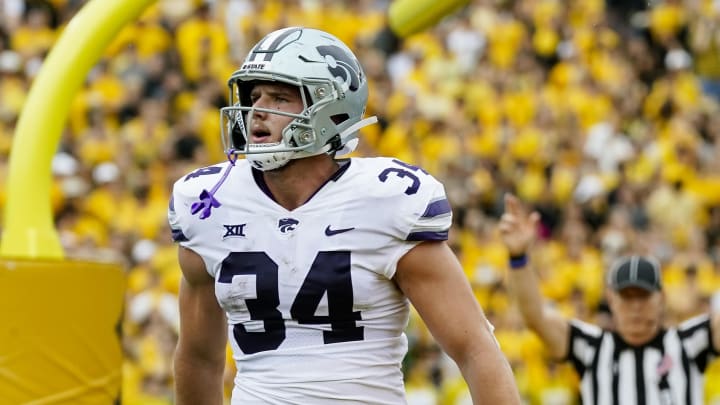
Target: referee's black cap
<point x="636" y="271"/>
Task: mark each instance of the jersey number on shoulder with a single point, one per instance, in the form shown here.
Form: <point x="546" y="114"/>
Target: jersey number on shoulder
<point x="329" y="273"/>
<point x="402" y="173"/>
<point x="204" y="171"/>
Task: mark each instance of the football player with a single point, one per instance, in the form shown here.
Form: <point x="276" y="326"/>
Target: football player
<point x="308" y="263"/>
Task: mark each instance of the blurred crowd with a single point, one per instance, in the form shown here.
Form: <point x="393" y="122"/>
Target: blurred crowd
<point x="603" y="115"/>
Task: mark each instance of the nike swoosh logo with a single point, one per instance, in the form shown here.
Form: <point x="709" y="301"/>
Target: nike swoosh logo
<point x="331" y="232"/>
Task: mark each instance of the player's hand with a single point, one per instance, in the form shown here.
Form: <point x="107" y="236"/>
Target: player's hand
<point x="517" y="227"/>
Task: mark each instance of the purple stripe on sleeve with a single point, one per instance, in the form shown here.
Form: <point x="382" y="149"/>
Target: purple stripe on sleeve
<point x="178" y="236"/>
<point x="427" y="235"/>
<point x="437" y="208"/>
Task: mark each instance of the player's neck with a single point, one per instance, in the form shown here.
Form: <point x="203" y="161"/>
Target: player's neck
<point x="293" y="184"/>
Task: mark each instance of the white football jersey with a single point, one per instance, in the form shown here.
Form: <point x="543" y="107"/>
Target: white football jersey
<point x="313" y="314"/>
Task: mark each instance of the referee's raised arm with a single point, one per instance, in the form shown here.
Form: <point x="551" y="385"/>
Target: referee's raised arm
<point x="640" y="361"/>
<point x="518" y="229"/>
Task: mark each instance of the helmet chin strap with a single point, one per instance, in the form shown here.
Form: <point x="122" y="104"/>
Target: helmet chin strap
<point x="351" y="144"/>
<point x="276" y="160"/>
<point x="270" y="160"/>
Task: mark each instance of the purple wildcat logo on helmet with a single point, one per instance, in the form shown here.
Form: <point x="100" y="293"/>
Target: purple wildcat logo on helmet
<point x="287" y="224"/>
<point x="342" y="65"/>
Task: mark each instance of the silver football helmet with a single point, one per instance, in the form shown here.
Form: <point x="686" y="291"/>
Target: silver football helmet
<point x="332" y="86"/>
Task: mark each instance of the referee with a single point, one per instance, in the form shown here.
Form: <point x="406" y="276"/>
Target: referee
<point x="641" y="362"/>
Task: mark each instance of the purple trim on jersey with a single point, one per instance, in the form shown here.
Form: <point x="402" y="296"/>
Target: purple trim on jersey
<point x="437" y="208"/>
<point x="344" y="166"/>
<point x="178" y="235"/>
<point x="171" y="205"/>
<point x="427" y="235"/>
<point x="260" y="180"/>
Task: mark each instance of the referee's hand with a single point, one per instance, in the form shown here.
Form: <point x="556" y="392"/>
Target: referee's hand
<point x="517" y="227"/>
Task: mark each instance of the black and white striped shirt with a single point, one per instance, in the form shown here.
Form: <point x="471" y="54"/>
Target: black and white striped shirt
<point x="666" y="371"/>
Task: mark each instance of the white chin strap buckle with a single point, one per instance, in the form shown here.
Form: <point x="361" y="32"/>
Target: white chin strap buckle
<point x="350" y="145"/>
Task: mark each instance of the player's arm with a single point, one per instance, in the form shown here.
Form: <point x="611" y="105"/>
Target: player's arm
<point x="518" y="231"/>
<point x="200" y="354"/>
<point x="433" y="280"/>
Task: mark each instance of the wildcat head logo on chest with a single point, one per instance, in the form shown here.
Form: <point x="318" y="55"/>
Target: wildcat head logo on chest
<point x="287" y="225"/>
